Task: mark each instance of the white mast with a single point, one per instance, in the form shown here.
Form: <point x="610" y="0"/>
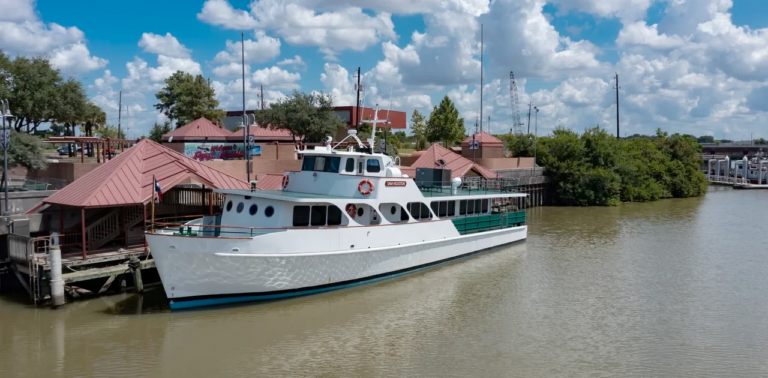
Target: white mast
<point x="373" y="123"/>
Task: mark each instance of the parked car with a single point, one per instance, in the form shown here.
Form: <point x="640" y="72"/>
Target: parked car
<point x="64" y="150"/>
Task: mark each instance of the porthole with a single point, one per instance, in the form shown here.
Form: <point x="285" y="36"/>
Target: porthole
<point x="393" y="210"/>
<point x="247" y="197"/>
<point x="240" y="207"/>
<point x="360" y="212"/>
<point x="229" y="206"/>
<point x="269" y="211"/>
<point x="253" y="209"/>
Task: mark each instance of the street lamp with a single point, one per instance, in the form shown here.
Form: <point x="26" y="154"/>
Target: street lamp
<point x="536" y="139"/>
<point x="5" y="112"/>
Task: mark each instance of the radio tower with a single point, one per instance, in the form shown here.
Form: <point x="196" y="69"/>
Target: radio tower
<point x="516" y="123"/>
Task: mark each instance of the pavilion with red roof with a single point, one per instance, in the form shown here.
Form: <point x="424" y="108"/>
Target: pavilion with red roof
<point x="458" y="165"/>
<point x="111" y="200"/>
<point x="199" y="130"/>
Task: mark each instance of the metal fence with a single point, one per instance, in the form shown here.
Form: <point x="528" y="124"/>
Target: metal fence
<point x="25" y="184"/>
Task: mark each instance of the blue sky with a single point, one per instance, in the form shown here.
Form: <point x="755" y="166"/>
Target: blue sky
<point x="698" y="66"/>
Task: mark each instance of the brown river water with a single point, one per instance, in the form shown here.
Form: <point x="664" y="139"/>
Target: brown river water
<point x="675" y="288"/>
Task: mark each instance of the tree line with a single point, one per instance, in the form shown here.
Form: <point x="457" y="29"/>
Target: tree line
<point x="597" y="169"/>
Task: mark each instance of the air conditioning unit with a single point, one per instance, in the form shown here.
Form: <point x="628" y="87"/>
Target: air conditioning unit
<point x="433" y="178"/>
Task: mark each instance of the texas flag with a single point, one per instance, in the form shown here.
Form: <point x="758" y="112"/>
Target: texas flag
<point x="158" y="191"/>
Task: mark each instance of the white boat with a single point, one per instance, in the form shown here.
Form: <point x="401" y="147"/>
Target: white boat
<point x="347" y="218"/>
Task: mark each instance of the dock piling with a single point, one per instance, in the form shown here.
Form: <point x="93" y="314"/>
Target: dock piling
<point x="135" y="266"/>
<point x="57" y="282"/>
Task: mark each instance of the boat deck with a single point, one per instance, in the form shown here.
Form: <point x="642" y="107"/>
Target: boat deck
<point x="446" y="192"/>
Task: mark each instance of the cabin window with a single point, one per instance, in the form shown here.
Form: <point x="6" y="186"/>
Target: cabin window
<point x="403" y="214"/>
<point x="360" y="167"/>
<point x="350" y="166"/>
<point x="485" y="206"/>
<point x="463" y="207"/>
<point x="435" y="206"/>
<point x="269" y="211"/>
<point x="319" y="163"/>
<point x="393" y="210"/>
<point x="334" y="216"/>
<point x="229" y="206"/>
<point x="240" y="207"/>
<point x="332" y="164"/>
<point x="451" y="208"/>
<point x="478" y="207"/>
<point x="318" y="215"/>
<point x="440" y="208"/>
<point x="470" y="207"/>
<point x="308" y="163"/>
<point x="300" y="216"/>
<point x="360" y="212"/>
<point x="253" y="209"/>
<point x="419" y="210"/>
<point x="372" y="166"/>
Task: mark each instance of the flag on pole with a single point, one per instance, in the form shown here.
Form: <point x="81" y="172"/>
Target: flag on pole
<point x="158" y="190"/>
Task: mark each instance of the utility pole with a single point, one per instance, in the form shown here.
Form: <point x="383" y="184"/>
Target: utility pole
<point x="474" y="146"/>
<point x="119" y="114"/>
<point x="481" y="77"/>
<point x="489" y="124"/>
<point x="617" y="106"/>
<point x="358" y="88"/>
<point x="536" y="139"/>
<point x="261" y="88"/>
<point x="529" y="117"/>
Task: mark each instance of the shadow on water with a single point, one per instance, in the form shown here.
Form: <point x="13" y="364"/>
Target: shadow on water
<point x="152" y="301"/>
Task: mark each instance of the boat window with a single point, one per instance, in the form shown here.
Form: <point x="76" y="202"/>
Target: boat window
<point x="485" y="206"/>
<point x="318" y="215"/>
<point x="360" y="167"/>
<point x="372" y="165"/>
<point x="360" y="212"/>
<point x="334" y="216"/>
<point x="462" y="207"/>
<point x="308" y="163"/>
<point x="240" y="207"/>
<point x="443" y="209"/>
<point x="350" y="165"/>
<point x="403" y="214"/>
<point x="419" y="210"/>
<point x="393" y="210"/>
<point x="332" y="164"/>
<point x="435" y="205"/>
<point x="470" y="207"/>
<point x="478" y="207"/>
<point x="253" y="209"/>
<point x="269" y="211"/>
<point x="229" y="206"/>
<point x="319" y="163"/>
<point x="451" y="208"/>
<point x="300" y="216"/>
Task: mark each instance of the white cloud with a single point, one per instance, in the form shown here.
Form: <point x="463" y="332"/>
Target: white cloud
<point x="296" y="62"/>
<point x="628" y="10"/>
<point x="76" y="58"/>
<point x="166" y="45"/>
<point x="221" y="13"/>
<point x="17" y="10"/>
<point x="640" y="34"/>
<point x="262" y="50"/>
<point x="339" y="84"/>
<point x="231" y="70"/>
<point x="277" y="78"/>
<point x="168" y="65"/>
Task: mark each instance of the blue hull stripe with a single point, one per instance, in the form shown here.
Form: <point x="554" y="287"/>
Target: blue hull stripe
<point x="222" y="300"/>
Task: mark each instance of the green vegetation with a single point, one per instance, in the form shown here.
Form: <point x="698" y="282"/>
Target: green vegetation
<point x="186" y="98"/>
<point x="157" y="131"/>
<point x="519" y="145"/>
<point x="110" y="132"/>
<point x="596" y="169"/>
<point x="26" y="150"/>
<point x="444" y="124"/>
<point x="306" y="116"/>
<point x="419" y="130"/>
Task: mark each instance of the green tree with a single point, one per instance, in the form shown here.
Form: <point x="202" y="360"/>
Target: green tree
<point x="110" y="132"/>
<point x="706" y="139"/>
<point x="25" y="150"/>
<point x="186" y="98"/>
<point x="305" y="116"/>
<point x="33" y="87"/>
<point x="519" y="145"/>
<point x="157" y="131"/>
<point x="444" y="124"/>
<point x="419" y="130"/>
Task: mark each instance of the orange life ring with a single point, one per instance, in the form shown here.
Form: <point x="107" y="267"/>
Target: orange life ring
<point x="285" y="181"/>
<point x="351" y="210"/>
<point x="368" y="191"/>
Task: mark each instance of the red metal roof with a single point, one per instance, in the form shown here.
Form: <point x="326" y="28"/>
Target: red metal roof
<point x="127" y="179"/>
<point x="270" y="181"/>
<point x="484" y="139"/>
<point x="199" y="129"/>
<point x="263" y="133"/>
<point x="458" y="165"/>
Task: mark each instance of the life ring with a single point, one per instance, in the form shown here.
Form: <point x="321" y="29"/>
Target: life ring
<point x="285" y="181"/>
<point x="368" y="191"/>
<point x="351" y="210"/>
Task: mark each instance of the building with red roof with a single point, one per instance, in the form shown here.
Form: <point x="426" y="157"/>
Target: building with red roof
<point x="459" y="166"/>
<point x="482" y="145"/>
<point x="199" y="130"/>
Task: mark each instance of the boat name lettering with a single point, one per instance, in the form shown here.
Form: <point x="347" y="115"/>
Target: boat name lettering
<point x="395" y="183"/>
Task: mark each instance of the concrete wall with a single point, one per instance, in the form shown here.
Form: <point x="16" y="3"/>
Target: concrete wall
<point x="67" y="171"/>
<point x="261" y="166"/>
<point x="20" y="202"/>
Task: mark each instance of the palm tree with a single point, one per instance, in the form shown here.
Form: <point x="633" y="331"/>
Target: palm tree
<point x="93" y="116"/>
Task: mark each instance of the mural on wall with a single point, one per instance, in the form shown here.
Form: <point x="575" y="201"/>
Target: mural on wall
<point x="218" y="151"/>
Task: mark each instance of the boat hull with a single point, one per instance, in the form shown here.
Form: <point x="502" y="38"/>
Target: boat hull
<point x="194" y="274"/>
